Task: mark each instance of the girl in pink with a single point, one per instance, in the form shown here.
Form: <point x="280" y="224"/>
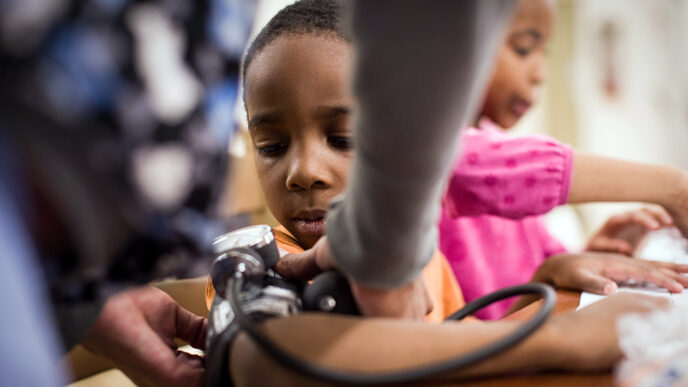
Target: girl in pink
<point x="515" y="181"/>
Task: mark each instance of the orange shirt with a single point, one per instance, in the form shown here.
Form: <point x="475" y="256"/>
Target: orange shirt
<point x="440" y="280"/>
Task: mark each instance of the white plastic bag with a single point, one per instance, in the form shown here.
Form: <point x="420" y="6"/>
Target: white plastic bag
<point x="655" y="346"/>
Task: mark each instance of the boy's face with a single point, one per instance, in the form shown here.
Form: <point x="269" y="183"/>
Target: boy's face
<point x="298" y="103"/>
<point x="520" y="64"/>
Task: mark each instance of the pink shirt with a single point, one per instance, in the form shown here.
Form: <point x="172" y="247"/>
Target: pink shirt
<point x="514" y="181"/>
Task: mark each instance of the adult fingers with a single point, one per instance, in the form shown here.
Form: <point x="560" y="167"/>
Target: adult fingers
<point x="190" y="360"/>
<point x="188" y="371"/>
<point x="190" y="327"/>
<point x="191" y="371"/>
<point x="151" y="362"/>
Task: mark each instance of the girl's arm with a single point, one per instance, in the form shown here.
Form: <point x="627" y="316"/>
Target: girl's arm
<point x="514" y="177"/>
<point x="602" y="179"/>
<point x="582" y="341"/>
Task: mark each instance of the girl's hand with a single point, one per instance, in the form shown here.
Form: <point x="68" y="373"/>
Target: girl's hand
<point x="622" y="233"/>
<point x="599" y="272"/>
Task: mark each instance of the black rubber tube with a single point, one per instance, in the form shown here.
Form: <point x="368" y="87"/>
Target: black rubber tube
<point x="415" y="374"/>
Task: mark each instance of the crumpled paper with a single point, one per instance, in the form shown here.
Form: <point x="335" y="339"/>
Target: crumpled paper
<point x="655" y="346"/>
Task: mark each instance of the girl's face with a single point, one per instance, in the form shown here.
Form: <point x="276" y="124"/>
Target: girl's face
<point x="520" y="67"/>
<point x="298" y="103"/>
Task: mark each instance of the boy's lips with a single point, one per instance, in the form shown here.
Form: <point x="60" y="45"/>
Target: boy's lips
<point x="310" y="222"/>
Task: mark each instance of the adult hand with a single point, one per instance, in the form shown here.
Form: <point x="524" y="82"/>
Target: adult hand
<point x="622" y="233"/>
<point x="599" y="272"/>
<point x="587" y="340"/>
<point x="409" y="301"/>
<point x="136" y="330"/>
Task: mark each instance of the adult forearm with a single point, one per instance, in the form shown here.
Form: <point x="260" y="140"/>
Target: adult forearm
<point x="419" y="73"/>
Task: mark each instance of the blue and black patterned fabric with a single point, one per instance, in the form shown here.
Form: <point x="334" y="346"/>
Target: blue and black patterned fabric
<point x="119" y="113"/>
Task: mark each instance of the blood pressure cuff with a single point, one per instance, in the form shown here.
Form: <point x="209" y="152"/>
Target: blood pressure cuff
<point x="223" y="329"/>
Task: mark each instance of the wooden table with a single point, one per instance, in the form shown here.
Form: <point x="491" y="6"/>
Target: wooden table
<point x="567" y="301"/>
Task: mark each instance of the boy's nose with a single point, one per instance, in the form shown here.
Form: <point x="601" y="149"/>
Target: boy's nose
<point x="306" y="171"/>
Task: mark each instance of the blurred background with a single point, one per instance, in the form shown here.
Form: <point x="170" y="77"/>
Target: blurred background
<point x="617" y="86"/>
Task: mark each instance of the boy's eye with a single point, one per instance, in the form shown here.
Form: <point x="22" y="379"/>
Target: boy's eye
<point x="340" y="142"/>
<point x="272" y="150"/>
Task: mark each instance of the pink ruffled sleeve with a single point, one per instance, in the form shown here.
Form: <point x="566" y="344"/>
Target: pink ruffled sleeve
<point x="512" y="177"/>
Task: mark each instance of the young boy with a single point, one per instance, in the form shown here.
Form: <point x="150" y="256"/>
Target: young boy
<point x="299" y="121"/>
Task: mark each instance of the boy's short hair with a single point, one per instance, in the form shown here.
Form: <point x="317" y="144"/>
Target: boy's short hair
<point x="319" y="17"/>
